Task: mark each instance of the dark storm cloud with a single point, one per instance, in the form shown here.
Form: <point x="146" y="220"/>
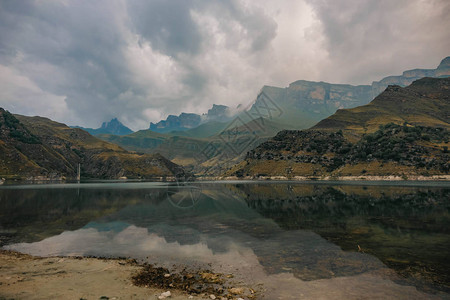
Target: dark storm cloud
<point x="80" y="44"/>
<point x="84" y="62"/>
<point x="99" y="55"/>
<point x="369" y="39"/>
<point x="167" y="24"/>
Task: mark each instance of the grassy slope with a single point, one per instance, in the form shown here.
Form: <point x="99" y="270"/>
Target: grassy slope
<point x="425" y="102"/>
<point x="202" y="131"/>
<point x="58" y="149"/>
<point x="47" y="128"/>
<point x="190" y="148"/>
<point x="424" y="105"/>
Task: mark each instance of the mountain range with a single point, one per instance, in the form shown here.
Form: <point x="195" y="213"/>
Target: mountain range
<point x="263" y="139"/>
<point x="404" y="131"/>
<point x="112" y="127"/>
<point x="299" y="106"/>
<point x="186" y="121"/>
<point x="304" y="103"/>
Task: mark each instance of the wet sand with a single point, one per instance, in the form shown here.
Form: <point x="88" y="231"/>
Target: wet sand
<point x="27" y="277"/>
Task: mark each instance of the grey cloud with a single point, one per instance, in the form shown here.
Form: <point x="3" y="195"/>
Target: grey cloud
<point x="167" y="24"/>
<point x="258" y="27"/>
<point x="141" y="60"/>
<point x="82" y="43"/>
<point x="369" y="39"/>
<point x="78" y="49"/>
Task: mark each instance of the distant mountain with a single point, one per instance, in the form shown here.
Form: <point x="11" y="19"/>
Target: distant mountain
<point x="39" y="148"/>
<point x="300" y="105"/>
<point x="403" y="131"/>
<point x="186" y="121"/>
<point x="443" y="70"/>
<point x="112" y="127"/>
<point x="304" y="103"/>
<point x="182" y="122"/>
<point x="185" y="138"/>
<point x="218" y="113"/>
<point x="425" y="102"/>
<point x="202" y="149"/>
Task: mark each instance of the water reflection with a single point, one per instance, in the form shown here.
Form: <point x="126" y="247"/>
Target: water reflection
<point x="275" y="234"/>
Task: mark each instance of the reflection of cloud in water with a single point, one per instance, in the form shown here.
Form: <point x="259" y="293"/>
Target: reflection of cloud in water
<point x="241" y="260"/>
<point x="131" y="241"/>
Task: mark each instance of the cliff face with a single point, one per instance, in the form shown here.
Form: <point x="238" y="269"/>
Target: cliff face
<point x="426" y="102"/>
<point x="303" y="103"/>
<point x="35" y="146"/>
<point x="112" y="127"/>
<point x="182" y="122"/>
<point x="443" y="70"/>
<point x="404" y="131"/>
<point x="218" y="113"/>
<point x="186" y="121"/>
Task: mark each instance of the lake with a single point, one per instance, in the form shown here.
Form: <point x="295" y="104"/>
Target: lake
<point x="291" y="239"/>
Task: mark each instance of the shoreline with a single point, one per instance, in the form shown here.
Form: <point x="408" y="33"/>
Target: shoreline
<point x="387" y="178"/>
<point x="332" y="178"/>
<point x="23" y="276"/>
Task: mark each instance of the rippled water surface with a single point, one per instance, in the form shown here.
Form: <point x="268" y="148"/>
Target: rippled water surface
<point x="292" y="240"/>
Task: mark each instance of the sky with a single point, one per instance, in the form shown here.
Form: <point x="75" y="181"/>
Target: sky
<point x="83" y="62"/>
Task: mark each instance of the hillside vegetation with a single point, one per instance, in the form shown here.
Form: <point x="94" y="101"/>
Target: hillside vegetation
<point x="39" y="148"/>
<point x="404" y="131"/>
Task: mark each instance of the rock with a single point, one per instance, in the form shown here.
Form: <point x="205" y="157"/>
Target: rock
<point x="165" y="295"/>
<point x="191" y="297"/>
<point x="167" y="275"/>
<point x="210" y="277"/>
<point x="236" y="291"/>
<point x="212" y="296"/>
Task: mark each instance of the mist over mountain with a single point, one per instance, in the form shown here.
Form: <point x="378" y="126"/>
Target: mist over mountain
<point x="185" y="121"/>
<point x="404" y="132"/>
<point x="300" y="105"/>
<point x="304" y="103"/>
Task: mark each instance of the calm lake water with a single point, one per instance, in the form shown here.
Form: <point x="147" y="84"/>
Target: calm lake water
<point x="291" y="240"/>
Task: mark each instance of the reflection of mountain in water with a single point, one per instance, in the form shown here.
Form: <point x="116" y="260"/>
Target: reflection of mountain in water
<point x="407" y="228"/>
<point x="222" y="218"/>
<point x="279" y="225"/>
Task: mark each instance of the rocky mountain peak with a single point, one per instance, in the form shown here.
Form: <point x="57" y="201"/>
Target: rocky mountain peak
<point x="115" y="127"/>
<point x="445" y="63"/>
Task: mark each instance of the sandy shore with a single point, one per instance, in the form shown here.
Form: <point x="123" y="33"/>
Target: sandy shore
<point x="27" y="277"/>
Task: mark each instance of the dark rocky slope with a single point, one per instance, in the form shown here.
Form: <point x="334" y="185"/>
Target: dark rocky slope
<point x="36" y="147"/>
<point x="404" y="131"/>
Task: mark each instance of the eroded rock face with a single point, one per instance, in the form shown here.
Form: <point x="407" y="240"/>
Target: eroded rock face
<point x="219" y="113"/>
<point x="112" y="127"/>
<point x="321" y="99"/>
<point x="402" y="131"/>
<point x="182" y="122"/>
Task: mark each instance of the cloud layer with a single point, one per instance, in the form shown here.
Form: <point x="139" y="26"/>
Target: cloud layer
<point x="84" y="62"/>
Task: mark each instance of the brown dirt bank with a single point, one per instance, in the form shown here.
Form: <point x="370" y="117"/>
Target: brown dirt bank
<point x="27" y="277"/>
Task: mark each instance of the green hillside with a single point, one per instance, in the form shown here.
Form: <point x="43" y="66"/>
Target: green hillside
<point x="39" y="148"/>
<point x="206" y="150"/>
<point x="425" y="102"/>
<point x="404" y="131"/>
<point x="204" y="130"/>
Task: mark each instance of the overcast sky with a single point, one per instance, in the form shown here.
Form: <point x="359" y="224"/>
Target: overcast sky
<point x="84" y="62"/>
